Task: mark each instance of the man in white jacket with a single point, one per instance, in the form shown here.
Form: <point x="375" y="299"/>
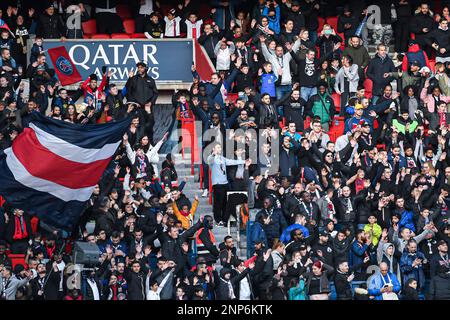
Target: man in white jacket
<point x="281" y="64"/>
<point x="151" y="155"/>
<point x="223" y="51"/>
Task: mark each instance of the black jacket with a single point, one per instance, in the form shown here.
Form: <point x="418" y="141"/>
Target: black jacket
<point x="277" y="223"/>
<point x="50" y="27"/>
<point x="136" y="284"/>
<point x="375" y="72"/>
<point x="141" y="89"/>
<point x="440" y="287"/>
<point x="418" y="23"/>
<point x="51" y="287"/>
<point x="343" y="287"/>
<point x="223" y="292"/>
<point x="307" y="73"/>
<point x="171" y="248"/>
<point x="442" y="39"/>
<point x="294" y="111"/>
<point x="267" y="116"/>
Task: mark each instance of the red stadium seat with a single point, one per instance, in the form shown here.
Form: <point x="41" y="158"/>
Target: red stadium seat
<point x="128" y="24"/>
<point x="17" y="259"/>
<point x="87" y="36"/>
<point x="138" y="36"/>
<point x="89" y="27"/>
<point x="368" y="87"/>
<point x="232" y="97"/>
<point x="34" y="224"/>
<point x="120" y="36"/>
<point x="101" y="36"/>
<point x="333" y="22"/>
<point x="321" y="23"/>
<point x="432" y="65"/>
<point x="337" y="101"/>
<point x="123" y="11"/>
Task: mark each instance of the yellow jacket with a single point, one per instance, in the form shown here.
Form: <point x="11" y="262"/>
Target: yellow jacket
<point x="186" y="221"/>
<point x="375" y="233"/>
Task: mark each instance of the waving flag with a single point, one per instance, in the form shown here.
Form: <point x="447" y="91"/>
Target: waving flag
<point x="53" y="166"/>
<point x="64" y="66"/>
<point x="3" y="25"/>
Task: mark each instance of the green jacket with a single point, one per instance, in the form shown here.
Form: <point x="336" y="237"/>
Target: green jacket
<point x="402" y="128"/>
<point x="322" y="106"/>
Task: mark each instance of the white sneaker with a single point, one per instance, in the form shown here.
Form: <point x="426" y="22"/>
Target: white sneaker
<point x="205" y="193"/>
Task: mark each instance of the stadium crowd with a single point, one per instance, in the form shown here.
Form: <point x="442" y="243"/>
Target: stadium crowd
<point x="355" y="200"/>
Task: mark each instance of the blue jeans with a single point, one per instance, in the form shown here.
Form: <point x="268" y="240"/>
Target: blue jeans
<point x="313" y="36"/>
<point x="281" y="91"/>
<point x="306" y="92"/>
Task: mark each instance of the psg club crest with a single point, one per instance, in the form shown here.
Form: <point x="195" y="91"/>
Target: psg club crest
<point x="64" y="65"/>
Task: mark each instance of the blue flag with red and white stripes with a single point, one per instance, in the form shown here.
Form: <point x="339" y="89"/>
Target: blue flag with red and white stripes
<point x="53" y="166"/>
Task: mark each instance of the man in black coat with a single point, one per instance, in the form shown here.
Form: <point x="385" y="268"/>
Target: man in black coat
<point x="209" y="39"/>
<point x="174" y="246"/>
<point x="46" y="285"/>
<point x="225" y="288"/>
<point x="50" y="25"/>
<point x="440" y="285"/>
<point x="141" y="88"/>
<point x="422" y="24"/>
<point x="440" y="258"/>
<point x="439" y="40"/>
<point x="343" y="282"/>
<point x="136" y="278"/>
<point x="294" y="108"/>
<point x="378" y="71"/>
<point x="263" y="271"/>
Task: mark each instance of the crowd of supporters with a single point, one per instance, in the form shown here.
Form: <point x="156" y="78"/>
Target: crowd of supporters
<point x="351" y="180"/>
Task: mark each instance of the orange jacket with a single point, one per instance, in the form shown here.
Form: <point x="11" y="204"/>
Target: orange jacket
<point x="186" y="221"/>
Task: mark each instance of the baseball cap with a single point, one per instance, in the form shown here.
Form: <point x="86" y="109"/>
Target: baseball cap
<point x="415" y="63"/>
<point x="323" y="233"/>
<point x="425" y="69"/>
<point x="359" y="106"/>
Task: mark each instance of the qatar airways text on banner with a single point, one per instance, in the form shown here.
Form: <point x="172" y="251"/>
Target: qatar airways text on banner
<point x="169" y="61"/>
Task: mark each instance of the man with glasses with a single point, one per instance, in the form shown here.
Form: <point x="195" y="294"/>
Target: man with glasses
<point x="62" y="100"/>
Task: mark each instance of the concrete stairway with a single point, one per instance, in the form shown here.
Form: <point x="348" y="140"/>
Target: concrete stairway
<point x="192" y="188"/>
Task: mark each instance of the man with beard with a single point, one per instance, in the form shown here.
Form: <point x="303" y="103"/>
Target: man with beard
<point x="292" y="202"/>
<point x="228" y="256"/>
<point x="141" y="88"/>
<point x="309" y="209"/>
<point x="421" y="25"/>
<point x="294" y="108"/>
